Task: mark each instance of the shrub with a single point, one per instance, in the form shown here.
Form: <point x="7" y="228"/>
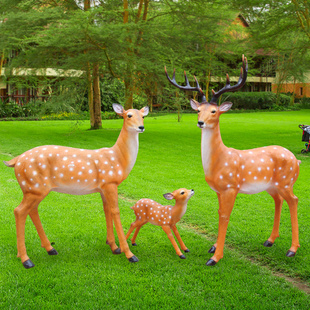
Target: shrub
<point x="256" y="100"/>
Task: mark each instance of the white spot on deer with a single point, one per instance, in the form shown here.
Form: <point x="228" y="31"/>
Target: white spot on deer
<point x="90" y="171"/>
<point x="119" y="172"/>
<point x="37" y="185"/>
<point x="41" y="155"/>
<point x="112" y="158"/>
<point x="50" y="154"/>
<point x="110" y="172"/>
<point x="229" y="152"/>
<point x="105" y="162"/>
<point x="55" y="168"/>
<point x="250" y="152"/>
<point x="44" y="149"/>
<point x="96" y="161"/>
<point x="65" y="158"/>
<point x="252" y="161"/>
<point x="221" y="177"/>
<point x="23" y="182"/>
<point x="34" y="173"/>
<point x="226" y="164"/>
<point x="31" y="160"/>
<point x="55" y="147"/>
<point x="230" y="174"/>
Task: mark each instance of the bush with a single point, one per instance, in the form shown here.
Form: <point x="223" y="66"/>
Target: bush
<point x="257" y="100"/>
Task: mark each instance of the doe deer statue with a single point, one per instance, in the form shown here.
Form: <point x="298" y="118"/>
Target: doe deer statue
<point x="77" y="172"/>
<point x="148" y="210"/>
<point x="228" y="171"/>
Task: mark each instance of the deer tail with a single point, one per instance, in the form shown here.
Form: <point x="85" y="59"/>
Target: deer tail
<point x="12" y="162"/>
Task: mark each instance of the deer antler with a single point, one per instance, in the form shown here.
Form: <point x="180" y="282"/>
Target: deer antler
<point x="227" y="87"/>
<point x="187" y="86"/>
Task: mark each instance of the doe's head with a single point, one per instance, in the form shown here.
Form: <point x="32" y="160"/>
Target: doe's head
<point x="133" y="119"/>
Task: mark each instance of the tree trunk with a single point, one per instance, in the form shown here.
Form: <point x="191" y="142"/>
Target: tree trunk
<point x="97" y="98"/>
<point x="90" y="96"/>
<point x="128" y="94"/>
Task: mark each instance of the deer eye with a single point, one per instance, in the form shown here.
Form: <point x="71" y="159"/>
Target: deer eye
<point x="182" y="193"/>
<point x="213" y="111"/>
<point x="198" y="111"/>
<point x="129" y="115"/>
<point x="143" y="116"/>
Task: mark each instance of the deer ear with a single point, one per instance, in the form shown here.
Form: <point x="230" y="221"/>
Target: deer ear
<point x="145" y="111"/>
<point x="225" y="106"/>
<point x="169" y="196"/>
<point x="118" y="109"/>
<point x="195" y="104"/>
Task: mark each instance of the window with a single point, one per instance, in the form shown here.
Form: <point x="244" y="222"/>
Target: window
<point x="301" y="91"/>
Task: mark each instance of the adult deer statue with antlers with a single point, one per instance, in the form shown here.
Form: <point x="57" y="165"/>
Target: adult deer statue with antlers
<point x="228" y="171"/>
<point x="77" y="172"/>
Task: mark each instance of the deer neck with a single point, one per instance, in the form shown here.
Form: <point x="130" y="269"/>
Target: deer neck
<point x="212" y="147"/>
<point x="126" y="147"/>
<point x="178" y="211"/>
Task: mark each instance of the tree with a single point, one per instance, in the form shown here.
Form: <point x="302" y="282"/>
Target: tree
<point x="282" y="29"/>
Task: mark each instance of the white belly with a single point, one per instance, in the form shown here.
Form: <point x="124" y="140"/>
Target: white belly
<point x="254" y="188"/>
<point x="73" y="190"/>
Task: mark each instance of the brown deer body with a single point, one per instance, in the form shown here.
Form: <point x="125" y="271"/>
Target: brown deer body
<point x="78" y="172"/>
<point x="228" y="171"/>
<point x="148" y="210"/>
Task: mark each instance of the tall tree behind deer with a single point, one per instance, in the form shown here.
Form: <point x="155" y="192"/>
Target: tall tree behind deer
<point x="228" y="171"/>
<point x="77" y="172"/>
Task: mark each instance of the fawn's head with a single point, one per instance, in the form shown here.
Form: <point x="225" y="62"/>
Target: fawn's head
<point x="180" y="195"/>
<point x="133" y="119"/>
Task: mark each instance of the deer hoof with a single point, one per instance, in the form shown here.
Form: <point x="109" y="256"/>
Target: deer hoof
<point x="134" y="244"/>
<point x="133" y="259"/>
<point x="268" y="244"/>
<point x="182" y="256"/>
<point x="210" y="262"/>
<point x="28" y="264"/>
<point x="212" y="249"/>
<point x="290" y="253"/>
<point x="187" y="250"/>
<point x="117" y="251"/>
<point x="52" y="252"/>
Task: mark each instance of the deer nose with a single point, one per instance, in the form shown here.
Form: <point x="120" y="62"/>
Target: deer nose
<point x="200" y="123"/>
<point x="141" y="128"/>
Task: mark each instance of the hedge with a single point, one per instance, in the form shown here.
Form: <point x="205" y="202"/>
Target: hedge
<point x="256" y="100"/>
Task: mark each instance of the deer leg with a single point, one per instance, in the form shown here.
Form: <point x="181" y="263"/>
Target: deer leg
<point x="213" y="247"/>
<point x="29" y="202"/>
<point x="137" y="224"/>
<point x="176" y="233"/>
<point x="110" y="234"/>
<point x="276" y="224"/>
<point x="167" y="230"/>
<point x="292" y="202"/>
<point x="226" y="204"/>
<point x="111" y="199"/>
<point x="34" y="215"/>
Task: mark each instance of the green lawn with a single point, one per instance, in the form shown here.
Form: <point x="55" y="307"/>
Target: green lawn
<point x="86" y="275"/>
